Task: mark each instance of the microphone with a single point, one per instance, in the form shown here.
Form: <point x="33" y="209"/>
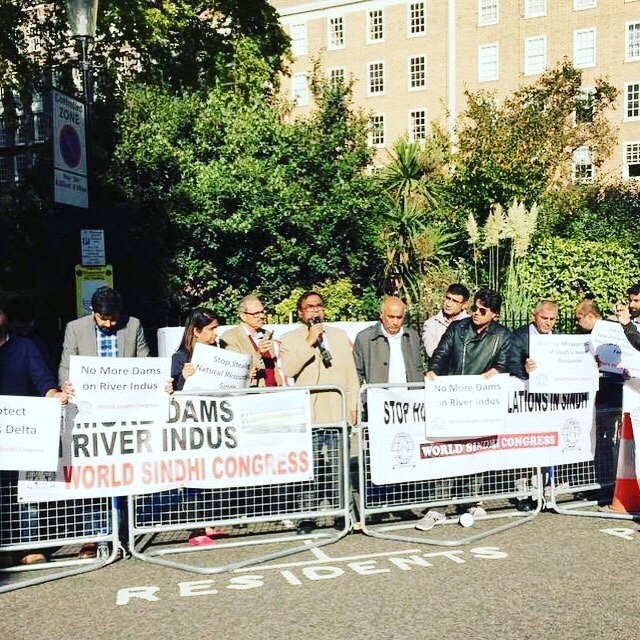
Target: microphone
<point x="324" y="353"/>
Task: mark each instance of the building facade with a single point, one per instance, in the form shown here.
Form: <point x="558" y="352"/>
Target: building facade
<point x="412" y="62"/>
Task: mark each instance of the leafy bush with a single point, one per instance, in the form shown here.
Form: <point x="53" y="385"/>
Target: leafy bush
<point x="566" y="270"/>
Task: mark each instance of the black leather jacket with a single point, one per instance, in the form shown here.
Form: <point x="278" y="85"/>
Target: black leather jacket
<point x="519" y="352"/>
<point x="462" y="351"/>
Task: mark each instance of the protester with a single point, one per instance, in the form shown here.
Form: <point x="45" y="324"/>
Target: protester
<point x="314" y="355"/>
<point x="453" y="309"/>
<point x="202" y="327"/>
<point x="23" y="372"/>
<point x="587" y="314"/>
<point x="250" y="338"/>
<point x="472" y="346"/>
<point x="543" y="319"/>
<point x="389" y="351"/>
<point x="106" y="333"/>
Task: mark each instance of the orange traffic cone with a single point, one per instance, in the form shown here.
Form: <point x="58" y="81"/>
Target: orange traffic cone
<point x="626" y="495"/>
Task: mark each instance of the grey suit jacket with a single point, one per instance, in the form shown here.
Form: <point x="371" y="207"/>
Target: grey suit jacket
<point x="80" y="340"/>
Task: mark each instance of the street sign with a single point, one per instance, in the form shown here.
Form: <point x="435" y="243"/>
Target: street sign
<point x="92" y="247"/>
<point x="88" y="279"/>
<point x="69" y="151"/>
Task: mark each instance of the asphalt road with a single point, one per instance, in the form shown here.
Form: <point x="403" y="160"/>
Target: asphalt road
<point x="555" y="577"/>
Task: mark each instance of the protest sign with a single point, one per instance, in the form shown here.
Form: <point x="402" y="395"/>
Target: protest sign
<point x="29" y="433"/>
<point x="120" y="388"/>
<point x="564" y="364"/>
<point x="612" y="349"/>
<point x="465" y="406"/>
<point x="541" y="429"/>
<point x="232" y="441"/>
<point x="217" y="369"/>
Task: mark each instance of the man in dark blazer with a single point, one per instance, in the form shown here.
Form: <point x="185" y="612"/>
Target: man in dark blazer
<point x="543" y="319"/>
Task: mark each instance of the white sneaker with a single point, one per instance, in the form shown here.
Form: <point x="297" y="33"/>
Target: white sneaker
<point x="428" y="521"/>
<point x="477" y="511"/>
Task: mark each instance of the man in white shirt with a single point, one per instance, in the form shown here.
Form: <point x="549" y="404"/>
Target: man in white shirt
<point x="388" y="351"/>
<point x="454" y="307"/>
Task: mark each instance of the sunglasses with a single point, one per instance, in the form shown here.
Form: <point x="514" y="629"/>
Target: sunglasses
<point x="481" y="310"/>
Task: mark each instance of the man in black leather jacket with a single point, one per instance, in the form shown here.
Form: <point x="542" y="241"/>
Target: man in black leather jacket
<point x="475" y="345"/>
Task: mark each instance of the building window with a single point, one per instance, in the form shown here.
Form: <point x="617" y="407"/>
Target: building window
<point x="535" y="8"/>
<point x="417" y="19"/>
<point x="488" y="62"/>
<point x="299" y="39"/>
<point x="376" y="130"/>
<point x="4" y="133"/>
<point x="583" y="169"/>
<point x="336" y="33"/>
<point x="584" y="48"/>
<point x="22" y="164"/>
<point x="632" y="46"/>
<point x="299" y="89"/>
<point x="375" y="26"/>
<point x="487" y="12"/>
<point x="578" y="5"/>
<point x="535" y="55"/>
<point x="417" y="125"/>
<point x="337" y="76"/>
<point x="376" y="78"/>
<point x="632" y="101"/>
<point x="585" y="102"/>
<point x="417" y="72"/>
<point x="6" y="169"/>
<point x="631" y="167"/>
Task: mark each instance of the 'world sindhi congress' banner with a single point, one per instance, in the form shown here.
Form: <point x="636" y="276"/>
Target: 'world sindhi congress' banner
<point x="542" y="429"/>
<point x="213" y="442"/>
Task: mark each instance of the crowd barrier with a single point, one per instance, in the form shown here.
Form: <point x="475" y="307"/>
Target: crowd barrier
<point x="497" y="490"/>
<point x="295" y="516"/>
<point x="585" y="488"/>
<point x="56" y="529"/>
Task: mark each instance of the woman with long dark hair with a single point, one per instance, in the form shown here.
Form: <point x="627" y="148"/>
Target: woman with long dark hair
<point x="202" y="326"/>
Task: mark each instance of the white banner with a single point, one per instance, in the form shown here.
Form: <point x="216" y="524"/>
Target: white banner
<point x="29" y="433"/>
<point x="541" y="430"/>
<point x="612" y="349"/>
<point x="208" y="442"/>
<point x="120" y="388"/>
<point x="564" y="364"/>
<point x="217" y="369"/>
<point x="466" y="406"/>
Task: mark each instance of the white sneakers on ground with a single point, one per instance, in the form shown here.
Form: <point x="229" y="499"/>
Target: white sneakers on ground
<point x="428" y="521"/>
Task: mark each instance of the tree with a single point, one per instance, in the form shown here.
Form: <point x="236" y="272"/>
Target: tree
<point x="244" y="199"/>
<point x="523" y="146"/>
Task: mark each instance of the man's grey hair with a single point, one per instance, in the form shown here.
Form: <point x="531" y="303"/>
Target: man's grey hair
<point x="242" y="307"/>
<point x="546" y="303"/>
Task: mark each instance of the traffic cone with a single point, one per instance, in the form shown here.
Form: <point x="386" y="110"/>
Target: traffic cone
<point x="626" y="495"/>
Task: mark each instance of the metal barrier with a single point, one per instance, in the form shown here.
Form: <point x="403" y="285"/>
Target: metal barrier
<point x="249" y="517"/>
<point x="498" y="491"/>
<point x="580" y="489"/>
<point x="56" y="530"/>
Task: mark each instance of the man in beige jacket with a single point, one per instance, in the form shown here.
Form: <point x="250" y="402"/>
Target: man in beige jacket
<point x="314" y="355"/>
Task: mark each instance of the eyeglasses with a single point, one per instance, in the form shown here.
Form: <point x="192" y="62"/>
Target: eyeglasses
<point x="262" y="312"/>
<point x="481" y="310"/>
<point x="450" y="299"/>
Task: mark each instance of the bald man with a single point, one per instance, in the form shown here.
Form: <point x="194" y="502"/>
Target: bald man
<point x="388" y="351"/>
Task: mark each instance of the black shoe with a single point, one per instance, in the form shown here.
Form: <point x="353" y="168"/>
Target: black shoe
<point x="525" y="505"/>
<point x="306" y="526"/>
